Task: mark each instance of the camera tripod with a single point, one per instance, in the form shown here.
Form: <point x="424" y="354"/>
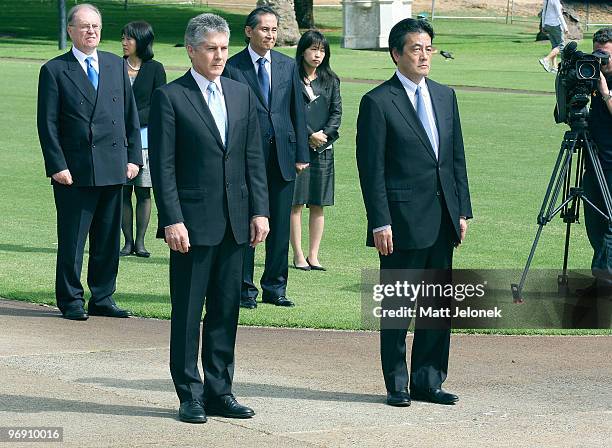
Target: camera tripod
<point x="577" y="145"/>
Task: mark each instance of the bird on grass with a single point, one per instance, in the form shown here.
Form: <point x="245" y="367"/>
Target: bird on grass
<point x="446" y="55"/>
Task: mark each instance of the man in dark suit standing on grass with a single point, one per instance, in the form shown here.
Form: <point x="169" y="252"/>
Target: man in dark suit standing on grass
<point x="414" y="182"/>
<point x="209" y="179"/>
<point x="90" y="138"/>
<point x="274" y="79"/>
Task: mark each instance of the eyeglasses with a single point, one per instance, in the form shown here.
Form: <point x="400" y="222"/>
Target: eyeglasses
<point x="84" y="27"/>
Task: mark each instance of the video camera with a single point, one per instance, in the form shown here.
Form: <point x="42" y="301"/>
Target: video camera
<point x="576" y="81"/>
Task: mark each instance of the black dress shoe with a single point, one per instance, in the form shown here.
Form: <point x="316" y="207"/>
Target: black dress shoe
<point x="108" y="311"/>
<point x="192" y="412"/>
<point x="315" y="267"/>
<point x="143" y="253"/>
<point x="126" y="250"/>
<point x="227" y="406"/>
<point x="434" y="395"/>
<point x="399" y="399"/>
<point x="301" y="268"/>
<point x="249" y="304"/>
<point x="75" y="314"/>
<point x="279" y="301"/>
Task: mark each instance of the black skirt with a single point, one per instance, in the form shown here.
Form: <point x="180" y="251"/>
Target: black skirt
<point x="315" y="185"/>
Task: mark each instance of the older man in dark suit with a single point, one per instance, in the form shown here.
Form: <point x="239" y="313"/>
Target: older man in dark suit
<point x="274" y="79"/>
<point x="208" y="175"/>
<point x="90" y="139"/>
<point x="414" y="182"/>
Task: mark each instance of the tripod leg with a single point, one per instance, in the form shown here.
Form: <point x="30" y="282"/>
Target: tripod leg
<point x="564" y="161"/>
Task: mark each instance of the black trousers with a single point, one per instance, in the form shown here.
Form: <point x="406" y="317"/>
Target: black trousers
<point x="82" y="212"/>
<point x="430" y="347"/>
<point x="214" y="273"/>
<point x="276" y="269"/>
<point x="598" y="230"/>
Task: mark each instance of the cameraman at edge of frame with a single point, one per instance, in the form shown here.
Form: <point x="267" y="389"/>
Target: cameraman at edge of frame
<point x="598" y="230"/>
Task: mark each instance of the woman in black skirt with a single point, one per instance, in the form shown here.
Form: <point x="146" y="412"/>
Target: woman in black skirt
<point x="314" y="187"/>
<point x="145" y="75"/>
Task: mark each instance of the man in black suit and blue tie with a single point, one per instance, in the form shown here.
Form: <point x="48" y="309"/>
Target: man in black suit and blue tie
<point x="414" y="182"/>
<point x="90" y="138"/>
<point x="274" y="79"/>
<point x="208" y="174"/>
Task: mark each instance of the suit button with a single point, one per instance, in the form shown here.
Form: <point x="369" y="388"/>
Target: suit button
<point x="93" y="146"/>
<point x="226" y="157"/>
<point x="437" y="193"/>
<point x="227" y="184"/>
<point x="81" y="102"/>
<point x="114" y="98"/>
<point x="114" y="121"/>
<point x="114" y="143"/>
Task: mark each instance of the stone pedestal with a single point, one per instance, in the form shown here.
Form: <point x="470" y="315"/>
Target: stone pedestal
<point x="367" y="23"/>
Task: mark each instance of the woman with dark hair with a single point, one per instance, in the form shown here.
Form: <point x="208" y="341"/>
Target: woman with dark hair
<point x="314" y="187"/>
<point x="145" y="75"/>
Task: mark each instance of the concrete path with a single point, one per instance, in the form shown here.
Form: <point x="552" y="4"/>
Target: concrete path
<point x="106" y="382"/>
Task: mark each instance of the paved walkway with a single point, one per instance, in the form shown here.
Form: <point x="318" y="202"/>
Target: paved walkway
<point x="106" y="382"/>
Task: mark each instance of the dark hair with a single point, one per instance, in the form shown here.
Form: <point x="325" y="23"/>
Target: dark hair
<point x="603" y="36"/>
<point x="397" y="36"/>
<point x="252" y="19"/>
<point x="313" y="37"/>
<point x="142" y="33"/>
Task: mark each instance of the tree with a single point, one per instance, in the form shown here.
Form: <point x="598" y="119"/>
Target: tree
<point x="304" y="13"/>
<point x="288" y="31"/>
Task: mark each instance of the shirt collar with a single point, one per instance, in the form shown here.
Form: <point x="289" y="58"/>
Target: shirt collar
<point x="80" y="56"/>
<point x="203" y="82"/>
<point x="255" y="57"/>
<point x="410" y="85"/>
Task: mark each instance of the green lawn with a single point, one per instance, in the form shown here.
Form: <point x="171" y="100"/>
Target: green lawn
<point x="511" y="143"/>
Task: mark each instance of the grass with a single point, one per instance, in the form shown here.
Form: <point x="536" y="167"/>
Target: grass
<point x="511" y="143"/>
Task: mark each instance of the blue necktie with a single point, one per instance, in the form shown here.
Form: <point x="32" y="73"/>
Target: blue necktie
<point x="92" y="74"/>
<point x="422" y="114"/>
<point x="216" y="109"/>
<point x="264" y="80"/>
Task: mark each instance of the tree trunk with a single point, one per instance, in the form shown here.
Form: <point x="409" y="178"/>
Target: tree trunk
<point x="304" y="13"/>
<point x="288" y="31"/>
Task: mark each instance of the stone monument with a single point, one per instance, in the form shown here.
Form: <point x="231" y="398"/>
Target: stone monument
<point x="367" y="23"/>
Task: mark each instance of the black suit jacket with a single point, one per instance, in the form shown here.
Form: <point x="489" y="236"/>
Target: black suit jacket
<point x="92" y="133"/>
<point x="286" y="111"/>
<point x="398" y="170"/>
<point x="330" y="92"/>
<point x="150" y="76"/>
<point x="196" y="179"/>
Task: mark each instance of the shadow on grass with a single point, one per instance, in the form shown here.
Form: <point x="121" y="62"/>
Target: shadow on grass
<point x="243" y="390"/>
<point x="26" y="404"/>
<point x="26" y="249"/>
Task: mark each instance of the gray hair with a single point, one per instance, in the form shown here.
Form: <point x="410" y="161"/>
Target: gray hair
<point x="78" y="7"/>
<point x="199" y="26"/>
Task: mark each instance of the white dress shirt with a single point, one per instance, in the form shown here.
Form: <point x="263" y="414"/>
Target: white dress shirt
<point x="203" y="85"/>
<point x="410" y="88"/>
<point x="80" y="56"/>
<point x="255" y="58"/>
